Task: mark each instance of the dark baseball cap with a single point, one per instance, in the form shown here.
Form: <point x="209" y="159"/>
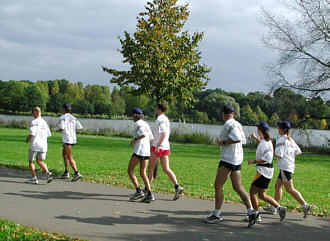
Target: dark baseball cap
<point x="67" y="106"/>
<point x="228" y="109"/>
<point x="137" y="111"/>
<point x="284" y="124"/>
<point x="263" y="126"/>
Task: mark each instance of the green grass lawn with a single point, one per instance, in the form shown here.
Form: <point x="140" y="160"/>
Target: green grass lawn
<point x="104" y="160"/>
<point x="10" y="231"/>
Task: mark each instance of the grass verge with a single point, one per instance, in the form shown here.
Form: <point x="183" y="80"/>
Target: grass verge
<point x="11" y="231"/>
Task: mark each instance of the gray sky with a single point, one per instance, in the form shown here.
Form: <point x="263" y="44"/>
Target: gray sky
<point x="53" y="39"/>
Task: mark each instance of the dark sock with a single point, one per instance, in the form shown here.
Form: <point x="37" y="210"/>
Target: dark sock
<point x="76" y="172"/>
<point x="176" y="187"/>
<point x="149" y="193"/>
<point x="138" y="189"/>
<point x="66" y="171"/>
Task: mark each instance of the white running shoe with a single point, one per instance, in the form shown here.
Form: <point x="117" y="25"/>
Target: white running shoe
<point x="136" y="196"/>
<point x="49" y="177"/>
<point x="212" y="218"/>
<point x="307" y="209"/>
<point x="246" y="218"/>
<point x="270" y="209"/>
<point x="178" y="193"/>
<point x="282" y="213"/>
<point x="32" y="181"/>
<point x="65" y="175"/>
<point x="76" y="177"/>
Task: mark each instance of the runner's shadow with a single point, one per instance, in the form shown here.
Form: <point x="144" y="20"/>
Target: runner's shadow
<point x="66" y="195"/>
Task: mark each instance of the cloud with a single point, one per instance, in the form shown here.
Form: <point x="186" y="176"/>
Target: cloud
<point x="41" y="39"/>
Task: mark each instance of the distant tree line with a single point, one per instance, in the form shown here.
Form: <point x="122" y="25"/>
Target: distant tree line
<point x="94" y="100"/>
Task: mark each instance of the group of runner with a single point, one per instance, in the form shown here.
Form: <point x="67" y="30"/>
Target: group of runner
<point x="231" y="141"/>
<point x="39" y="132"/>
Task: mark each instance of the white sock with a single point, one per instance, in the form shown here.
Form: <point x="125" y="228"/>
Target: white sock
<point x="305" y="205"/>
<point x="35" y="177"/>
<point x="250" y="210"/>
<point x="217" y="212"/>
<point x="278" y="207"/>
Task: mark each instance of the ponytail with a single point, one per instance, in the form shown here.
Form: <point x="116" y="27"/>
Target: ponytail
<point x="288" y="133"/>
<point x="267" y="136"/>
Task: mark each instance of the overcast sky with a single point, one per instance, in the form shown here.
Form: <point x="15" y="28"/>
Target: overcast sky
<point x="72" y="39"/>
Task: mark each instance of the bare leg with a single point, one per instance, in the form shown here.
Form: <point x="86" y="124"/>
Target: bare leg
<point x="237" y="186"/>
<point x="130" y="170"/>
<point x="220" y="180"/>
<point x="70" y="158"/>
<point x="42" y="165"/>
<point x="294" y="192"/>
<point x="278" y="190"/>
<point x="65" y="157"/>
<point x="32" y="168"/>
<point x="263" y="196"/>
<point x="253" y="195"/>
<point x="166" y="167"/>
<point x="143" y="173"/>
<point x="152" y="164"/>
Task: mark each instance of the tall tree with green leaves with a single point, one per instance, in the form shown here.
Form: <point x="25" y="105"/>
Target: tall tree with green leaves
<point x="164" y="59"/>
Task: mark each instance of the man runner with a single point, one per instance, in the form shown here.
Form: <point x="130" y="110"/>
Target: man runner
<point x="161" y="149"/>
<point x="39" y="132"/>
<point x="231" y="140"/>
<point x="68" y="126"/>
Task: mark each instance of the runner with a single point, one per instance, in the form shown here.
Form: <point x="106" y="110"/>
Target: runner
<point x="286" y="151"/>
<point x="231" y="140"/>
<point x="161" y="149"/>
<point x="68" y="126"/>
<point x="39" y="132"/>
<point x="265" y="171"/>
<point x="141" y="142"/>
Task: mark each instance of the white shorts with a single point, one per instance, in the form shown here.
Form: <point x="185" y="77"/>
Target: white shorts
<point x="36" y="155"/>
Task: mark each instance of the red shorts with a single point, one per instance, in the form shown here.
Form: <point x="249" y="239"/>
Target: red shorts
<point x="161" y="152"/>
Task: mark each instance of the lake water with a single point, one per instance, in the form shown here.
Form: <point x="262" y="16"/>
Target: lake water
<point x="319" y="138"/>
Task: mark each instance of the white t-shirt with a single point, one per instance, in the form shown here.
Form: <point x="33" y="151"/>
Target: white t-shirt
<point x="142" y="147"/>
<point x="287" y="150"/>
<point x="232" y="153"/>
<point x="163" y="125"/>
<point x="68" y="124"/>
<point x="265" y="152"/>
<point x="40" y="131"/>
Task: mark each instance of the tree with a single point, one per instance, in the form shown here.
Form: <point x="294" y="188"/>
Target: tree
<point x="83" y="107"/>
<point x="302" y="40"/>
<point x="213" y="104"/>
<point x="54" y="87"/>
<point x="13" y="96"/>
<point x="164" y="60"/>
<point x="248" y="116"/>
<point x="262" y="117"/>
<point x="118" y="102"/>
<point x="103" y="106"/>
<point x="34" y="97"/>
<point x="55" y="103"/>
<point x="274" y="119"/>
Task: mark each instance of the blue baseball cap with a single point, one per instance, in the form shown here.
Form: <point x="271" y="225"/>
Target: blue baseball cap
<point x="284" y="124"/>
<point x="228" y="109"/>
<point x="263" y="126"/>
<point x="67" y="106"/>
<point x="137" y="111"/>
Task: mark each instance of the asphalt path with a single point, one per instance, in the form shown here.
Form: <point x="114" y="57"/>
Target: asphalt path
<point x="102" y="212"/>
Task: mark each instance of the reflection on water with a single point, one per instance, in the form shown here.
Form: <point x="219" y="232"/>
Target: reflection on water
<point x="319" y="138"/>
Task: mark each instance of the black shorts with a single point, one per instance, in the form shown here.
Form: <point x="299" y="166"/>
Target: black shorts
<point x="141" y="158"/>
<point x="68" y="144"/>
<point x="261" y="182"/>
<point x="229" y="166"/>
<point x="285" y="176"/>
